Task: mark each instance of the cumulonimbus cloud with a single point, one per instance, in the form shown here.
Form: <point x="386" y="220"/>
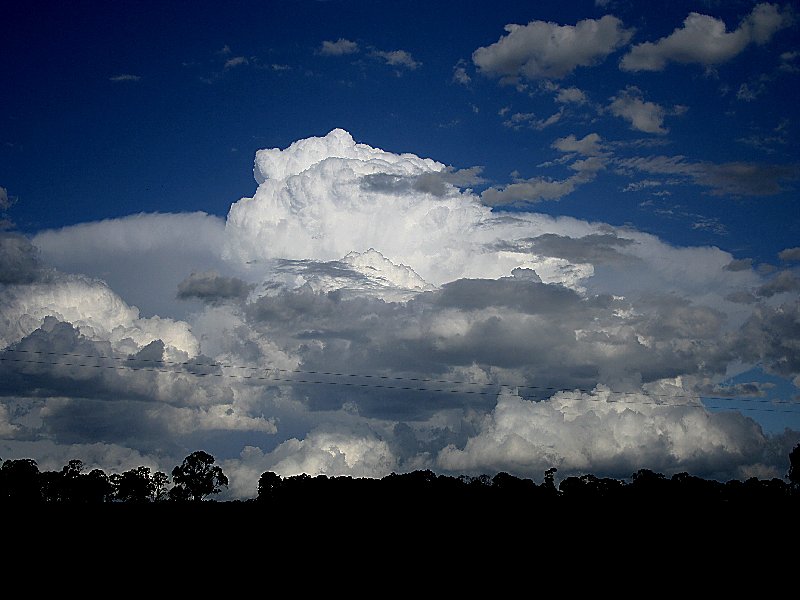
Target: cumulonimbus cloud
<point x="366" y="312"/>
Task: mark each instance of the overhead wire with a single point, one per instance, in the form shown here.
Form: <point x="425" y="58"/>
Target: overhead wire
<point x="294" y="380"/>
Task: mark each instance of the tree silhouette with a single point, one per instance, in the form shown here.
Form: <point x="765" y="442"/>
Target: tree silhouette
<point x="794" y="467"/>
<point x="197" y="477"/>
<point x="132" y="485"/>
<point x="268" y="485"/>
<point x="20" y="481"/>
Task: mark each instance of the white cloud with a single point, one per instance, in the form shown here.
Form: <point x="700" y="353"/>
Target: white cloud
<point x="589" y="145"/>
<point x="360" y="313"/>
<point x="571" y="95"/>
<point x="544" y="50"/>
<point x="643" y="116"/>
<point x="604" y="433"/>
<point x="397" y="58"/>
<point x="706" y="41"/>
<point x="340" y="47"/>
<point x="142" y="257"/>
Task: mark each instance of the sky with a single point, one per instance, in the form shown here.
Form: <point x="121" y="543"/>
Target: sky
<point x="353" y="237"/>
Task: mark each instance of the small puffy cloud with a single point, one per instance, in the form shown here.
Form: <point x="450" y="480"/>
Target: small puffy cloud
<point x="571" y="95"/>
<point x="397" y="58"/>
<point x="212" y="287"/>
<point x="705" y="40"/>
<point x="789" y="62"/>
<point x="545" y="50"/>
<point x="642" y="115"/>
<point x="589" y="145"/>
<point x="340" y="47"/>
<point x="124" y="77"/>
<point x="790" y="254"/>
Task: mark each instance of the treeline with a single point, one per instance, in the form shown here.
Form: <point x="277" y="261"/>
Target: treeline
<point x="198" y="478"/>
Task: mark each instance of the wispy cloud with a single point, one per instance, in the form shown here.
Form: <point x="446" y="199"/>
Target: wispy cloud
<point x="125" y="77"/>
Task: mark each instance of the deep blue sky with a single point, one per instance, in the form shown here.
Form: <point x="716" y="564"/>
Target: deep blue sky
<point x="80" y="141"/>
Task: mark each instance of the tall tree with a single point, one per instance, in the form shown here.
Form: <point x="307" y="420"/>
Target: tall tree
<point x="198" y="476"/>
<point x="134" y="485"/>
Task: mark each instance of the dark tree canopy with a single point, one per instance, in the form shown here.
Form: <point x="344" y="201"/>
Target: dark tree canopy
<point x="198" y="477"/>
<point x="794" y="466"/>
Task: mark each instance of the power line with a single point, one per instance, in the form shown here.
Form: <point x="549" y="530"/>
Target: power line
<point x="360" y="385"/>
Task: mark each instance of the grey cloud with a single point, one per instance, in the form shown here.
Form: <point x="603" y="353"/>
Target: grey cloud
<point x="438" y="183"/>
<point x="57" y="360"/>
<point x="340" y="47"/>
<point x="521" y="295"/>
<point x="642" y="115"/>
<point x="19" y="259"/>
<point x="537" y="189"/>
<point x="741" y="297"/>
<point x="704" y="40"/>
<point x="212" y="287"/>
<point x="142" y="257"/>
<point x="790" y="254"/>
<point x="597" y="248"/>
<point x="772" y="336"/>
<point x="589" y="145"/>
<point x="550" y="51"/>
<point x="753" y="389"/>
<point x="729" y="179"/>
<point x="5" y="201"/>
<point x="744" y="264"/>
<point x="517" y="326"/>
<point x="529" y="191"/>
<point x="784" y="281"/>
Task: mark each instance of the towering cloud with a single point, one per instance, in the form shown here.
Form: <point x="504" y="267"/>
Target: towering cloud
<point x="365" y="312"/>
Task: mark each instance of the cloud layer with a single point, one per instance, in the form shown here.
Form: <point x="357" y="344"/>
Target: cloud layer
<point x="365" y="312"/>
